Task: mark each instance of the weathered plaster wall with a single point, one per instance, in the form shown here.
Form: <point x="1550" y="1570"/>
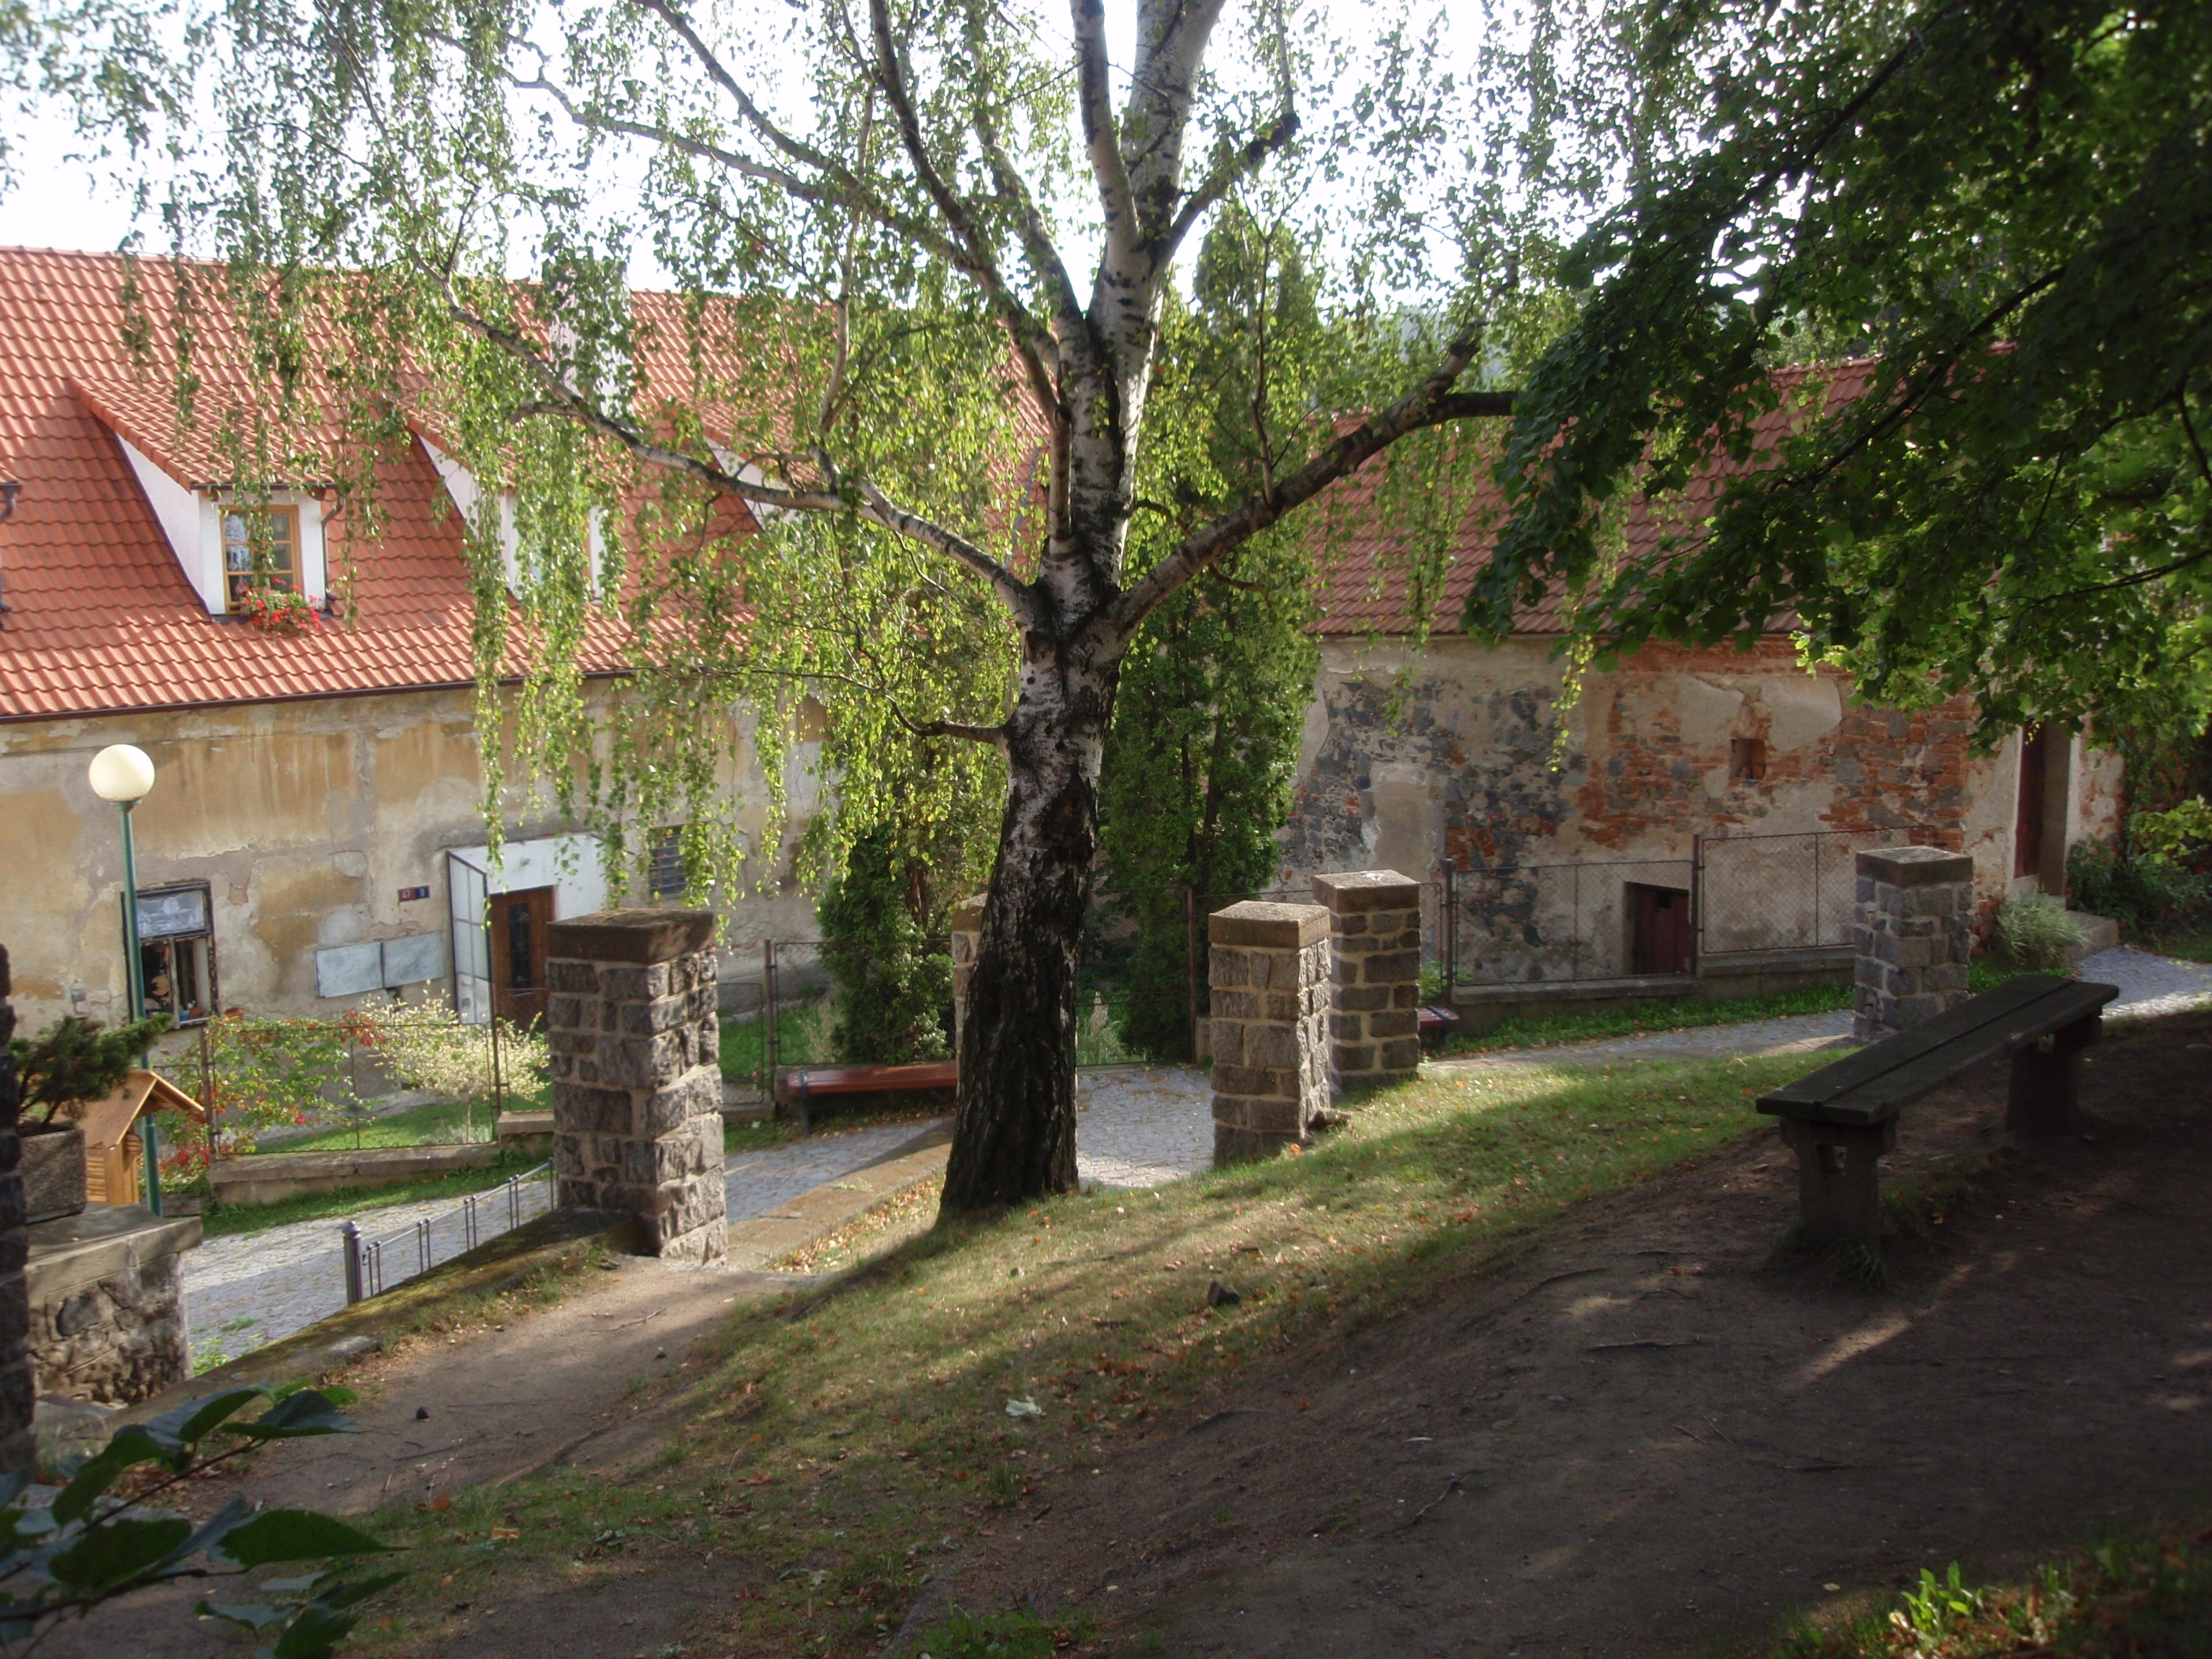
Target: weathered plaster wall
<point x="306" y="819"/>
<point x="1458" y="756"/>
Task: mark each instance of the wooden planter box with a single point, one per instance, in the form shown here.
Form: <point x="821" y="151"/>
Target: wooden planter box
<point x="53" y="1170"/>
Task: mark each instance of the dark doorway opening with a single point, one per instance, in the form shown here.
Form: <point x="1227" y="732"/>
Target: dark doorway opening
<point x="1660" y="938"/>
<point x="518" y="921"/>
<point x="2035" y="748"/>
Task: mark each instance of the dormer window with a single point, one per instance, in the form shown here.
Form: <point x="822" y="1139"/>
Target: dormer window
<point x="260" y="549"/>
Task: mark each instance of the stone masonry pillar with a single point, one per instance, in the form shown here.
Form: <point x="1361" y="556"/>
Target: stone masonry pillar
<point x="1270" y="980"/>
<point x="18" y="1449"/>
<point x="637" y="1079"/>
<point x="966" y="936"/>
<point x="1375" y="927"/>
<point x="1912" y="938"/>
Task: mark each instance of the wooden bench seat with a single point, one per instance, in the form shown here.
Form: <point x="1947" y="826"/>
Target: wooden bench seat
<point x="1841" y="1119"/>
<point x="798" y="1085"/>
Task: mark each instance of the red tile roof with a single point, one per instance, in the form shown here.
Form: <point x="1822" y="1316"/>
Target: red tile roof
<point x="1362" y="588"/>
<point x="100" y="617"/>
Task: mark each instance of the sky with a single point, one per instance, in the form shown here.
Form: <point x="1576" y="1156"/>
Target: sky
<point x="57" y="201"/>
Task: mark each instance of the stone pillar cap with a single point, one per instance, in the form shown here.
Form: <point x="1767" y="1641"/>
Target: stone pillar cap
<point x="1364" y="889"/>
<point x="1268" y="926"/>
<point x="967" y="915"/>
<point x="1915" y="866"/>
<point x="639" y="936"/>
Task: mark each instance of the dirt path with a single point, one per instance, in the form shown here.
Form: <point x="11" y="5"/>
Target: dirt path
<point x="1645" y="1434"/>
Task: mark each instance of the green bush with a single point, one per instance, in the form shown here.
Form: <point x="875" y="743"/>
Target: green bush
<point x="894" y="985"/>
<point x="2142" y="891"/>
<point x="73" y="1062"/>
<point x="2037" y="933"/>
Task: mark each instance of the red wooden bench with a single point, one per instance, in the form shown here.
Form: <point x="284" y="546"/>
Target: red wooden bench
<point x="797" y="1086"/>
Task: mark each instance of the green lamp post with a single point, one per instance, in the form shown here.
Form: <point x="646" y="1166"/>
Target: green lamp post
<point x="123" y="774"/>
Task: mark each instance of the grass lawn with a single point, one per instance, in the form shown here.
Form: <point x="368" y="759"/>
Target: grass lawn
<point x="1636" y="1018"/>
<point x="2193" y="944"/>
<point x="2149" y="1593"/>
<point x="442" y="1123"/>
<point x="336" y="1206"/>
<point x="845" y="1440"/>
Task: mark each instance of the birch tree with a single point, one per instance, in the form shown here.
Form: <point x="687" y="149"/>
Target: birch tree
<point x="883" y="446"/>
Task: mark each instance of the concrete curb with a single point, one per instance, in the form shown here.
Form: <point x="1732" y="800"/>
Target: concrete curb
<point x="816" y="1213"/>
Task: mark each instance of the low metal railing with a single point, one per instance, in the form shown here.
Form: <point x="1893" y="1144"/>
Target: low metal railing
<point x="369" y="1272"/>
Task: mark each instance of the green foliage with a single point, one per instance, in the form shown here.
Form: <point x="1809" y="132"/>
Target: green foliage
<point x="2149" y="1593"/>
<point x="2182" y="829"/>
<point x="1203" y="747"/>
<point x="269" y="1073"/>
<point x="2007" y="215"/>
<point x="60" y="1558"/>
<point x="894" y="982"/>
<point x="73" y="1062"/>
<point x="2036" y="932"/>
<point x="2142" y="892"/>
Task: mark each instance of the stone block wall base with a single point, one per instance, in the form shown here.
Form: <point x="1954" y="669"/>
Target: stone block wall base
<point x="1912" y="936"/>
<point x="637" y="1085"/>
<point x="1235" y="1145"/>
<point x="1269" y="969"/>
<point x="1375" y="1014"/>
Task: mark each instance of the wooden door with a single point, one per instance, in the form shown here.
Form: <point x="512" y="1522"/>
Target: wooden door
<point x="1659" y="930"/>
<point x="518" y="921"/>
<point x="2034" y="785"/>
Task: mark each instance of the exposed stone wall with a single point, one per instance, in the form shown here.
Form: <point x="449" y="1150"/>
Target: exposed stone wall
<point x="637" y="1081"/>
<point x="1461" y="753"/>
<point x="1913" y="933"/>
<point x="1375" y="1017"/>
<point x="119" y="1339"/>
<point x="1270" y="975"/>
<point x="18" y="1450"/>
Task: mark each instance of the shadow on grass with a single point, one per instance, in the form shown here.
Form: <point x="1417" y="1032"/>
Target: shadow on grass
<point x="848" y="1436"/>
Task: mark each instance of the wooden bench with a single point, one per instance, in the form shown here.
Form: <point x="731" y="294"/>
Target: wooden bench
<point x="798" y="1085"/>
<point x="1841" y="1119"/>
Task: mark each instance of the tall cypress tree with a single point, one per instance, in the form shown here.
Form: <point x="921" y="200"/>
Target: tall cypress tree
<point x="1203" y="751"/>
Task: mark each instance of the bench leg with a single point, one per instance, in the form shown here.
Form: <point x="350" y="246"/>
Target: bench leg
<point x="2046" y="1079"/>
<point x="1840" y="1179"/>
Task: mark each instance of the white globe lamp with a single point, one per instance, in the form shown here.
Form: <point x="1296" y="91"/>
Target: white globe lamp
<point x="122" y="774"/>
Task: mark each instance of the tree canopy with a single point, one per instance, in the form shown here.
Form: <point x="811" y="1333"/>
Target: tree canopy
<point x="1988" y="230"/>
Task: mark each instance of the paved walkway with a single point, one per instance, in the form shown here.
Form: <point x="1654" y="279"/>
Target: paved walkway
<point x="1136" y="1127"/>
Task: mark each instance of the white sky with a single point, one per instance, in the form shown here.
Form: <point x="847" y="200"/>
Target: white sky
<point x="57" y="201"/>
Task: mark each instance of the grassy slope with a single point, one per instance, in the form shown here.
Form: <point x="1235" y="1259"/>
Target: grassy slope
<point x="843" y="1443"/>
<point x="1636" y="1018"/>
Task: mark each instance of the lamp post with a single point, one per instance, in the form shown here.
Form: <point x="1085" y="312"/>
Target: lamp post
<point x="123" y="774"/>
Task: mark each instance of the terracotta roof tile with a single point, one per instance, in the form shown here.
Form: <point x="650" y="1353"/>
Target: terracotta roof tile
<point x="1361" y="588"/>
<point x="100" y="616"/>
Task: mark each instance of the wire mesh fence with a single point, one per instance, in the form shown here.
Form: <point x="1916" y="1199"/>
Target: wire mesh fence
<point x="1759" y="895"/>
<point x="374" y="1265"/>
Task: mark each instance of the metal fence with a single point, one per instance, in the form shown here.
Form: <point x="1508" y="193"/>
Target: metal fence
<point x="374" y="1265"/>
<point x="1760" y="894"/>
<point x="1734" y="896"/>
